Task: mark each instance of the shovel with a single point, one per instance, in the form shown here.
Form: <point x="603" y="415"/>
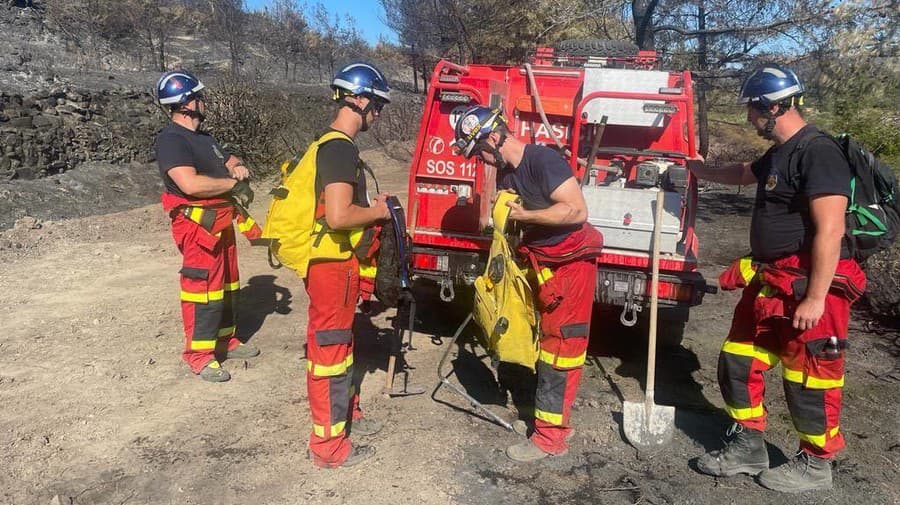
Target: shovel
<point x="646" y="424"/>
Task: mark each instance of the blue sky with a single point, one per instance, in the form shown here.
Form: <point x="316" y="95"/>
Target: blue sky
<point x="367" y="13"/>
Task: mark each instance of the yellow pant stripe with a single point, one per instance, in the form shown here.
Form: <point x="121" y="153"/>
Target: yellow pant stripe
<point x="561" y="362"/>
<point x="811" y="382"/>
<point x="225" y="332"/>
<point x="744" y="414"/>
<point x="233" y="286"/>
<point x="329" y="370"/>
<point x="548" y="417"/>
<point x="816" y="440"/>
<point x="767" y="292"/>
<point x="336" y="429"/>
<point x="209" y="296"/>
<point x="203" y="345"/>
<point x="750" y="350"/>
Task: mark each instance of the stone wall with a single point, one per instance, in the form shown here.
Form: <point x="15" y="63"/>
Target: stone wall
<point x="51" y="132"/>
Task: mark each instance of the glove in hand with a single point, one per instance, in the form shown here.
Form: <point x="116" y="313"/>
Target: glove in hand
<point x="242" y="193"/>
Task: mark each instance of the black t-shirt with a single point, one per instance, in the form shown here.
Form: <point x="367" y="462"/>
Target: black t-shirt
<point x="787" y="177"/>
<point x="178" y="146"/>
<point x="338" y="161"/>
<point x="539" y="173"/>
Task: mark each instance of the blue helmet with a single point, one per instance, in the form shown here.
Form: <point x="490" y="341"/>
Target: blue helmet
<point x="361" y="78"/>
<point x="474" y="125"/>
<point x="177" y="87"/>
<point x="769" y="85"/>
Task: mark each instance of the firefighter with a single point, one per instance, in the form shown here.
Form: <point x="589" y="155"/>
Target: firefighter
<point x="333" y="286"/>
<point x="561" y="247"/>
<point x="200" y="180"/>
<point x="798" y="285"/>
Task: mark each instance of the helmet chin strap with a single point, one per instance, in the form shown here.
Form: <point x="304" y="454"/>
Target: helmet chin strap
<point x="192" y="113"/>
<point x="363" y="113"/>
<point x="495" y="152"/>
<point x="770" y="119"/>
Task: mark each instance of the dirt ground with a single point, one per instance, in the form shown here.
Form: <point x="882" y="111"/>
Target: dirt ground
<point x="97" y="407"/>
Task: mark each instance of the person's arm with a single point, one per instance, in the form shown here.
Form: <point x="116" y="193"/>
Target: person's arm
<point x="568" y="207"/>
<point x="236" y="168"/>
<point x="827" y="214"/>
<point x="342" y="214"/>
<point x="734" y="174"/>
<point x="199" y="186"/>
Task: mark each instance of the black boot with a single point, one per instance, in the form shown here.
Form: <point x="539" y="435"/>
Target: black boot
<point x="803" y="473"/>
<point x="745" y="452"/>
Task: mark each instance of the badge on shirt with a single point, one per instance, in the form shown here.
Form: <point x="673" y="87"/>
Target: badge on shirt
<point x="771" y="181"/>
<point x="218" y="153"/>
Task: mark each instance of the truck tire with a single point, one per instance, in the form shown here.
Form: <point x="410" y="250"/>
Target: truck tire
<point x="596" y="47"/>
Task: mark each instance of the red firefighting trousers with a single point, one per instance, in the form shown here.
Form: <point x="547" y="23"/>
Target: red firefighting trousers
<point x="565" y="327"/>
<point x="762" y="335"/>
<point x="209" y="290"/>
<point x="333" y="289"/>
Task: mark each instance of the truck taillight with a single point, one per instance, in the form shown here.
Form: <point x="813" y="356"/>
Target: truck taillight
<point x="673" y="291"/>
<point x="437" y="262"/>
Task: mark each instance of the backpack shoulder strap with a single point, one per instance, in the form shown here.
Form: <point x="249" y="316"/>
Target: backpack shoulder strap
<point x="796" y="154"/>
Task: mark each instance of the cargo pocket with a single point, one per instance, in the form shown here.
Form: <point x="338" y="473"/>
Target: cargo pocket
<point x="334" y="336"/>
<point x="824" y="363"/>
<point x="194" y="284"/>
<point x="551" y="293"/>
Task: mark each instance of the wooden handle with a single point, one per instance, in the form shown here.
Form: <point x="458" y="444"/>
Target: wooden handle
<point x="654" y="299"/>
<point x="389" y="379"/>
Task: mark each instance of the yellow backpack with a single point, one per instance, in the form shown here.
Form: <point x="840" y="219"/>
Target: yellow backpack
<point x="504" y="306"/>
<point x="293" y="234"/>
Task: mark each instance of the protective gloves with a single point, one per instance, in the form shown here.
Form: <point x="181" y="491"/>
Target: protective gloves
<point x="242" y="193"/>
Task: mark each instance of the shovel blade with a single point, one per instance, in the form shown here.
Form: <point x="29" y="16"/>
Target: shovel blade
<point x="647" y="429"/>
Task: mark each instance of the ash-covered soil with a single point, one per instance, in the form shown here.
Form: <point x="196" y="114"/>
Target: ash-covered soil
<point x="98" y="407"/>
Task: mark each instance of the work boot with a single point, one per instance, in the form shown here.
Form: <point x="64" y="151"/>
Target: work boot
<point x="526" y="452"/>
<point x="243" y="351"/>
<point x="803" y="473"/>
<point x="744" y="453"/>
<point x="365" y="426"/>
<point x="213" y="372"/>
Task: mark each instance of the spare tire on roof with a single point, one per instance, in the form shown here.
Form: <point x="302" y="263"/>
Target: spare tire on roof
<point x="596" y="47"/>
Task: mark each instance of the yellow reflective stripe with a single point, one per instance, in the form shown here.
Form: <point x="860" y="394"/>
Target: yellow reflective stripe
<point x="544" y="275"/>
<point x="819" y="440"/>
<point x="194" y="297"/>
<point x="213" y="364"/>
<point x="203" y="345"/>
<point x="816" y="440"/>
<point x="793" y="375"/>
<point x="195" y="214"/>
<point x="336" y="429"/>
<point x="812" y="382"/>
<point x="750" y="350"/>
<point x="548" y="417"/>
<point x="246" y="224"/>
<point x="748" y="271"/>
<point x="817" y="383"/>
<point x="561" y="362"/>
<point x="224" y="332"/>
<point x="367" y="270"/>
<point x="329" y="370"/>
<point x="233" y="286"/>
<point x="209" y="296"/>
<point x="747" y="413"/>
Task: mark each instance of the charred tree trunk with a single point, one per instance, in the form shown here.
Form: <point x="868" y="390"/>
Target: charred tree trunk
<point x="642" y="14"/>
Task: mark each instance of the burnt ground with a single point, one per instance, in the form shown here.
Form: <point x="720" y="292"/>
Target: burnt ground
<point x="98" y="408"/>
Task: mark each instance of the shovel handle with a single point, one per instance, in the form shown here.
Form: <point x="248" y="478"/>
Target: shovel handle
<point x="654" y="300"/>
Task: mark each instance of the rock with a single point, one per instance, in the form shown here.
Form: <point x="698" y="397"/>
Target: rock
<point x="21" y="122"/>
<point x="883" y="289"/>
<point x="27" y="223"/>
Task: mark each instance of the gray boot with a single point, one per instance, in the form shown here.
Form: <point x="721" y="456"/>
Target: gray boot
<point x="803" y="473"/>
<point x="745" y="452"/>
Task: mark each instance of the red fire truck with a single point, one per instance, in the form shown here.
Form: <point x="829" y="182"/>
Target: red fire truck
<point x="626" y="128"/>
